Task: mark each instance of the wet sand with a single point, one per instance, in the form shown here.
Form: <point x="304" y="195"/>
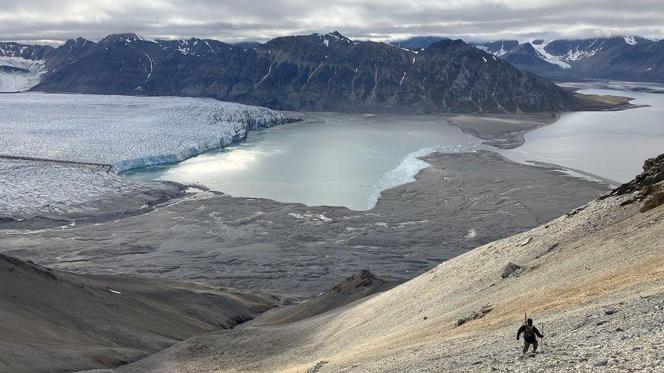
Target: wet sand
<point x="297" y="251"/>
<point x="505" y="131"/>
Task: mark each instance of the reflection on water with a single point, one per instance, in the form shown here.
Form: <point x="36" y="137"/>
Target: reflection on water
<point x="210" y="165"/>
<point x="339" y="160"/>
<point x="611" y="144"/>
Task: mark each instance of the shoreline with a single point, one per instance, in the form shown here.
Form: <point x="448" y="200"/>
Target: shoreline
<point x="571" y="172"/>
<point x="505" y="131"/>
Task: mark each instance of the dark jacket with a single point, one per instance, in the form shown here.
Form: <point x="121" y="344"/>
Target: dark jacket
<point x="529" y="337"/>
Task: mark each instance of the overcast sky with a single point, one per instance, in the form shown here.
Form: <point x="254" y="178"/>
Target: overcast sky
<point x="239" y="20"/>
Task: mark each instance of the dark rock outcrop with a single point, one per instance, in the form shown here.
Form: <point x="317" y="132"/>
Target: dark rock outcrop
<point x="476" y="314"/>
<point x="648" y="185"/>
<point x="13" y="69"/>
<point x="653" y="173"/>
<point x="511" y="270"/>
<point x="364" y="279"/>
<point x="354" y="288"/>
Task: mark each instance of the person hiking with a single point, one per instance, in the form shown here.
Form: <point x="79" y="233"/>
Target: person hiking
<point x="530" y="334"/>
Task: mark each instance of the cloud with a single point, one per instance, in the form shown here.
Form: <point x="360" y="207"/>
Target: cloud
<point x="237" y="20"/>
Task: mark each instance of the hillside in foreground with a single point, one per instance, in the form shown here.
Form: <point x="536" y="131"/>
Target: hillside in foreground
<point x="593" y="279"/>
<point x="55" y="321"/>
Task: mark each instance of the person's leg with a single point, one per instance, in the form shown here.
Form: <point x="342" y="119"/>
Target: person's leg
<point x="535" y="345"/>
<point x="525" y="346"/>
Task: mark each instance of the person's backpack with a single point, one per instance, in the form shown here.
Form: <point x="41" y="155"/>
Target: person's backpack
<point x="529" y="333"/>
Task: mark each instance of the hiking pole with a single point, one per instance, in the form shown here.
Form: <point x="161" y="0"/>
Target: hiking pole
<point x="542" y="348"/>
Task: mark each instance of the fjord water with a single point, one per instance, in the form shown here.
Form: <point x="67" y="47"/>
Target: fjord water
<point x="609" y="144"/>
<point x="335" y="159"/>
<point x="347" y="159"/>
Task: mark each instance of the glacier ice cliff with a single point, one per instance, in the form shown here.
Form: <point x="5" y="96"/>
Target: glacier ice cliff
<point x="124" y="132"/>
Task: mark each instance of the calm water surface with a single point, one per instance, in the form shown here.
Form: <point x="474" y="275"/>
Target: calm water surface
<point x="610" y="144"/>
<point x="337" y="160"/>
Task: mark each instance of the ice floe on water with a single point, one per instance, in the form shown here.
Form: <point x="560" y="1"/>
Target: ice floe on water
<point x="123" y="131"/>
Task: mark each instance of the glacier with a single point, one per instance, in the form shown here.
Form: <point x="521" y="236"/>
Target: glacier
<point x="123" y="132"/>
<point x="548" y="57"/>
<point x="32" y="189"/>
<point x="61" y="154"/>
<point x="19" y="74"/>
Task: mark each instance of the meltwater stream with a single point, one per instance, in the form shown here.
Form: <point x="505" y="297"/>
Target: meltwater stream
<point x="336" y="160"/>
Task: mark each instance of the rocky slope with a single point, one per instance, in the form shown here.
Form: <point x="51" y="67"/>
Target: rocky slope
<point x="307" y="72"/>
<point x="57" y="321"/>
<point x="592" y="279"/>
<point x="354" y="288"/>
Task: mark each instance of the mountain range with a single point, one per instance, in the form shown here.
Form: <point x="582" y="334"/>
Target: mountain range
<point x="316" y="72"/>
<point x="629" y="58"/>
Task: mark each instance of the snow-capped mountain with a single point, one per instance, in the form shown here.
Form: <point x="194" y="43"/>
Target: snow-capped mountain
<point x="617" y="58"/>
<point x="304" y="72"/>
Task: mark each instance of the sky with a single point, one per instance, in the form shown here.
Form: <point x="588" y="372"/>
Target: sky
<point x="54" y="21"/>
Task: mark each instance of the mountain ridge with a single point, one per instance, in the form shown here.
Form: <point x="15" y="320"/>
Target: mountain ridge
<point x="615" y="58"/>
<point x="316" y="72"/>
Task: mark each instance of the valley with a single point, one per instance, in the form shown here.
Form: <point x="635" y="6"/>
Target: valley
<point x="320" y="203"/>
<point x="433" y="203"/>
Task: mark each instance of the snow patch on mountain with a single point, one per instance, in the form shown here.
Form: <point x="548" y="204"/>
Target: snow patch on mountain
<point x="630" y="40"/>
<point x="497" y="52"/>
<point x="501" y="51"/>
<point x="19" y="74"/>
<point x="574" y="55"/>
